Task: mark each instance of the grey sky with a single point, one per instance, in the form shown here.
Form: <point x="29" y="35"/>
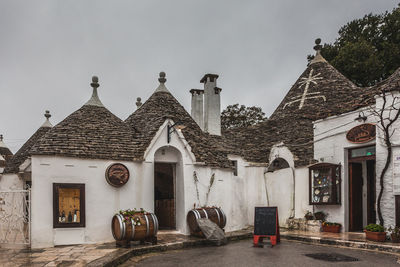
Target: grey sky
<point x="50" y="49"/>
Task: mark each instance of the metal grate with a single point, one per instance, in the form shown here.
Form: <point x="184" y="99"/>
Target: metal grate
<point x="332" y="257"/>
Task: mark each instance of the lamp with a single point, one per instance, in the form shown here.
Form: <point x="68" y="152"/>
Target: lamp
<point x="361" y="117"/>
<point x="171" y="128"/>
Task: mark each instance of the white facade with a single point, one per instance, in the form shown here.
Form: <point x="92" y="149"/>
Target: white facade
<point x="331" y="146"/>
<point x="103" y="200"/>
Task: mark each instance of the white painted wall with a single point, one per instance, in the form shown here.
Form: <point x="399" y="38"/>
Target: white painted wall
<point x="331" y="146"/>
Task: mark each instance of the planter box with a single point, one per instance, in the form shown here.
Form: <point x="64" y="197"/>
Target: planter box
<point x="331" y="228"/>
<point x="375" y="236"/>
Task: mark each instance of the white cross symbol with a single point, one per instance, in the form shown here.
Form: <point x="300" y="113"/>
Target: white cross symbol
<point x="306" y="94"/>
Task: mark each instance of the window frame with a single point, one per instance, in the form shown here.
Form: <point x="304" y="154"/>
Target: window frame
<point x="336" y="189"/>
<point x="56" y="223"/>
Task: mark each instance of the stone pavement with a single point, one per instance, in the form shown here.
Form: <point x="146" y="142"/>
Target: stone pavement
<point x="105" y="254"/>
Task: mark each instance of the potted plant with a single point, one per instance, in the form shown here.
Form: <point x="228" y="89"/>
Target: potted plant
<point x="320" y="215"/>
<point x="375" y="232"/>
<point x="309" y="216"/>
<point x="331" y="227"/>
<point x="394" y="234"/>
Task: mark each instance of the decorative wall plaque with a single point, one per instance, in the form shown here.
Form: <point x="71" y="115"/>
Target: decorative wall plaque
<point x="362" y="133"/>
<point x="117" y="174"/>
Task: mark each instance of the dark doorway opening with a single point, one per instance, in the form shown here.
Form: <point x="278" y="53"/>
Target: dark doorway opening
<point x="355" y="196"/>
<point x="164" y="194"/>
<point x="362" y="188"/>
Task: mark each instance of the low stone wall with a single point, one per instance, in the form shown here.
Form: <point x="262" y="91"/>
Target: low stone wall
<point x="304" y="225"/>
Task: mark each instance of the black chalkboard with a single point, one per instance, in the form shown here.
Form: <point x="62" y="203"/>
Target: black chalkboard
<point x="265" y="221"/>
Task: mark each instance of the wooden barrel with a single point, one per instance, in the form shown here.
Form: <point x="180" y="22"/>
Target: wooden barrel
<point x="126" y="231"/>
<point x="215" y="215"/>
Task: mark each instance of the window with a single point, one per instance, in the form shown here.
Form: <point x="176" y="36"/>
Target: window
<point x="68" y="205"/>
<point x="324" y="184"/>
<point x="362" y="152"/>
<point x="234" y="164"/>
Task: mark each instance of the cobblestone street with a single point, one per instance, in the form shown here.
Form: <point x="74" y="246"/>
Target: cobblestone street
<point x="242" y="253"/>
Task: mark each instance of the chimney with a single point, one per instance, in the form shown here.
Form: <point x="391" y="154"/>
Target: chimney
<point x="197" y="107"/>
<point x="212" y="104"/>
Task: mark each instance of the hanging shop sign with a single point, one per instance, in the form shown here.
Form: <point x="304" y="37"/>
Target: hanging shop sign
<point x="117" y="174"/>
<point x="362" y="133"/>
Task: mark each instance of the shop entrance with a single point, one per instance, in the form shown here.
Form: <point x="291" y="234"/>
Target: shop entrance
<point x="362" y="191"/>
<point x="164" y="194"/>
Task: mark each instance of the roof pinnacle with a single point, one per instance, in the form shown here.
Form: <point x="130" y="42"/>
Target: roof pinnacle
<point x="94" y="100"/>
<point x="318" y="57"/>
<point x="1" y="137"/>
<point x="47" y="122"/>
<point x="162" y="78"/>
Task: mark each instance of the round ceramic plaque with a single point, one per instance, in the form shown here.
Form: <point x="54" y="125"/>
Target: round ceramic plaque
<point x="117" y="174"/>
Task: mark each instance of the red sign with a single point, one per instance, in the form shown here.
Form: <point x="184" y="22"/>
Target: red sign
<point x="362" y="133"/>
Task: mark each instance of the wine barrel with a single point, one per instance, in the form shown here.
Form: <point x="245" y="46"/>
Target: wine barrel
<point x="126" y="231"/>
<point x="215" y="215"/>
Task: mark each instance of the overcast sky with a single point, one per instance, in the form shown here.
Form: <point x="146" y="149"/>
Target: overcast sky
<point x="50" y="49"/>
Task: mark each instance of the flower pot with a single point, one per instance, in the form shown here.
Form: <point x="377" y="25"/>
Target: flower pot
<point x="331" y="228"/>
<point x="395" y="238"/>
<point x="375" y="236"/>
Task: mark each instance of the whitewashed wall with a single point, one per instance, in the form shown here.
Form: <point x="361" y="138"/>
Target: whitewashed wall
<point x="392" y="177"/>
<point x="102" y="200"/>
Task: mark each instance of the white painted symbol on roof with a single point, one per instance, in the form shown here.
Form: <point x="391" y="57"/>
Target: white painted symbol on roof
<point x="306" y="81"/>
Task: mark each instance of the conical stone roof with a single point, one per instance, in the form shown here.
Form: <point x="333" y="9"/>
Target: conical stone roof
<point x="320" y="91"/>
<point x="91" y="132"/>
<point x="24" y="152"/>
<point x="161" y="105"/>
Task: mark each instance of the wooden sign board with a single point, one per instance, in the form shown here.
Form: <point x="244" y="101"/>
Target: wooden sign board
<point x="362" y="133"/>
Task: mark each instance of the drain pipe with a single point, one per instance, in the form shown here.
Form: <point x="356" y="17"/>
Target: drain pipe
<point x="265" y="185"/>
<point x="292" y="212"/>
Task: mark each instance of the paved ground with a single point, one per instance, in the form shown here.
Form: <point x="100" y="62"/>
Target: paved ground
<point x="242" y="253"/>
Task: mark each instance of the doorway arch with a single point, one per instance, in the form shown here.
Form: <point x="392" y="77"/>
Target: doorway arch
<point x="168" y="188"/>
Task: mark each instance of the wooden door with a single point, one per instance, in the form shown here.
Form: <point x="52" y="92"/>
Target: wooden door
<point x="164" y="195"/>
<point x="355" y="196"/>
<point x="371" y="192"/>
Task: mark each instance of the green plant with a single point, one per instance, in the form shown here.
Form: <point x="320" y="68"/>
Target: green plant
<point x="320" y="215"/>
<point x="309" y="215"/>
<point x="394" y="231"/>
<point x="331" y="224"/>
<point x="132" y="214"/>
<point x="375" y="228"/>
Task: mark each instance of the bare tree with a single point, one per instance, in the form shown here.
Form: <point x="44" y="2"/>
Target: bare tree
<point x="386" y="115"/>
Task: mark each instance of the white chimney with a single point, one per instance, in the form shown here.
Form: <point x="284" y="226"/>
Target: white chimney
<point x="197" y="107"/>
<point x="212" y="104"/>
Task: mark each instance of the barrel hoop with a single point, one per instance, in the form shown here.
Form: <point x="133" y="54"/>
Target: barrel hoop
<point x="198" y="214"/>
<point x="121" y="226"/>
<point x="223" y="215"/>
<point x="147" y="225"/>
<point x="133" y="229"/>
<point x="219" y="219"/>
<point x="154" y="218"/>
<point x="195" y="214"/>
<point x="205" y="213"/>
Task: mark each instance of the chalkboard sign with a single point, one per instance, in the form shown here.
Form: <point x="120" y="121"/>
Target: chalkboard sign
<point x="265" y="219"/>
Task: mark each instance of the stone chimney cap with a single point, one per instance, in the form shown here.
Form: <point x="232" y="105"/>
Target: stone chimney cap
<point x="209" y="75"/>
<point x="197" y="91"/>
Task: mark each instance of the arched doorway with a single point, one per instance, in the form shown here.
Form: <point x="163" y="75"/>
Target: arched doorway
<point x="279" y="188"/>
<point x="168" y="193"/>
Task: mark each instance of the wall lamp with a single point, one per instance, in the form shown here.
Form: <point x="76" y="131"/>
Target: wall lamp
<point x="361" y="117"/>
<point x="171" y="128"/>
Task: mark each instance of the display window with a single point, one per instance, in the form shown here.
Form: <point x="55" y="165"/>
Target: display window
<point x="324" y="184"/>
<point x="68" y="205"/>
